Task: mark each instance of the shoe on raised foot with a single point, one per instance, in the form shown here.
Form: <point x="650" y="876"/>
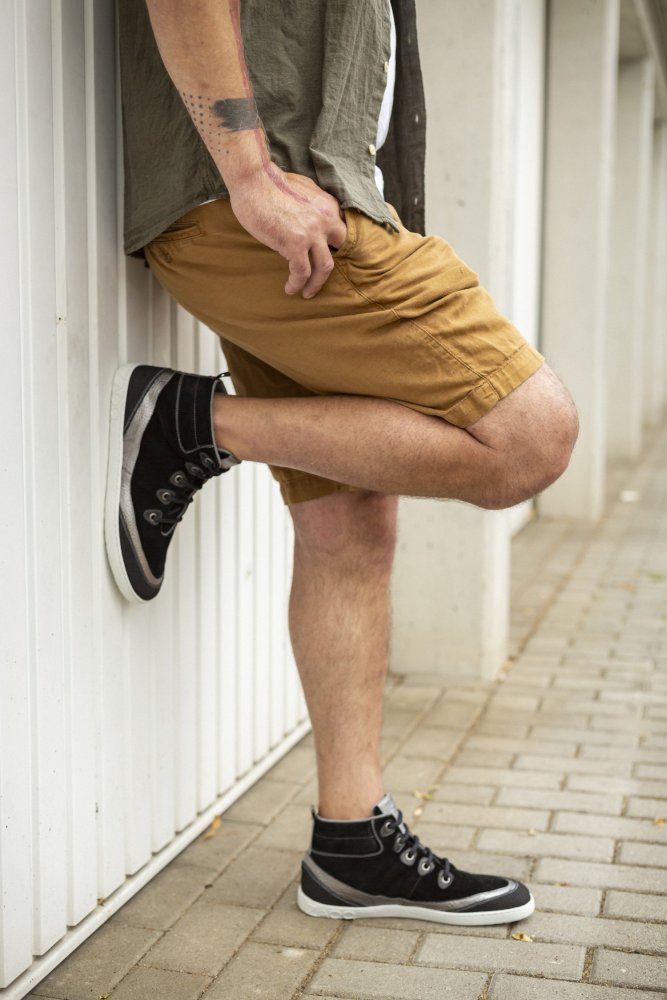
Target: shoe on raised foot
<point x="377" y="868"/>
<point x="161" y="452"/>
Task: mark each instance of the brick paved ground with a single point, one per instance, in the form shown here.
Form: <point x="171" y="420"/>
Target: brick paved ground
<point x="556" y="774"/>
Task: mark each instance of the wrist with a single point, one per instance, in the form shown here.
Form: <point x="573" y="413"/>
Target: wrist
<point x="244" y="160"/>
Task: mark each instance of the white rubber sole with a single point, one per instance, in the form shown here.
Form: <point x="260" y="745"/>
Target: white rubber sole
<point x="114" y="478"/>
<point x="458" y="918"/>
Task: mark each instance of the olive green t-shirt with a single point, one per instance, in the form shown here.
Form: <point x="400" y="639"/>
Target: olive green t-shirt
<point x="318" y="70"/>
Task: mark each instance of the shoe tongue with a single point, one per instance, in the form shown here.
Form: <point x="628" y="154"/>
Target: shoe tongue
<point x="386" y="806"/>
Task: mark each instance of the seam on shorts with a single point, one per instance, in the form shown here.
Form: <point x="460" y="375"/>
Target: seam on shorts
<point x="404" y="319"/>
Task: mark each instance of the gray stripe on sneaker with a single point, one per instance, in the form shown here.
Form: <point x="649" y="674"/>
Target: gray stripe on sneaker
<point x="355" y="897"/>
<point x="131" y="444"/>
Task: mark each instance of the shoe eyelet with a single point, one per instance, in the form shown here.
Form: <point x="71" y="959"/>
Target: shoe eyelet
<point x="444" y="883"/>
<point x="425" y="866"/>
<point x="194" y="470"/>
<point x="409" y="856"/>
<point x="153" y="516"/>
<point x="399" y="843"/>
<point x="177" y="479"/>
<point x="165" y="496"/>
<point x="387" y="828"/>
<point x="206" y="460"/>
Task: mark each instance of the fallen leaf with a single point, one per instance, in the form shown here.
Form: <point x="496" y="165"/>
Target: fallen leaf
<point x="215" y="826"/>
<point x="532" y="833"/>
<point x="418" y="811"/>
<point x="425" y="796"/>
<point x="520" y="936"/>
<point x="659" y="820"/>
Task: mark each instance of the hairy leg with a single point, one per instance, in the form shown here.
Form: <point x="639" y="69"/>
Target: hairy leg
<point x="513" y="452"/>
<point x="339" y="625"/>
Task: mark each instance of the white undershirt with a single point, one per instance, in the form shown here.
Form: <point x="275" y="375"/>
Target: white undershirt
<point x="387" y="100"/>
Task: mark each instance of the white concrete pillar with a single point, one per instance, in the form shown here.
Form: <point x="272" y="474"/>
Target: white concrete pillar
<point x="655" y="361"/>
<point x="581" y="89"/>
<point x="628" y="312"/>
<point x="451" y="581"/>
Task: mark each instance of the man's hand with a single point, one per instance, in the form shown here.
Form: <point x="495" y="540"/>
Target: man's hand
<point x="296" y="218"/>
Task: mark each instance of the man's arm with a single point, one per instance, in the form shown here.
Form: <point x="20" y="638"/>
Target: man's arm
<point x="202" y="49"/>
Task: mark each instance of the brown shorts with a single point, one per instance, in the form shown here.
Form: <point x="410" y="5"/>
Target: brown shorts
<point x="400" y="318"/>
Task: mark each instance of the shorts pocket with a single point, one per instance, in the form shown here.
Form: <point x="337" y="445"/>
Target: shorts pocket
<point x="185" y="228"/>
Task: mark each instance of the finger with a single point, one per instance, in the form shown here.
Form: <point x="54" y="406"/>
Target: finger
<point x="299" y="273"/>
<point x="322" y="266"/>
<point x="337" y="233"/>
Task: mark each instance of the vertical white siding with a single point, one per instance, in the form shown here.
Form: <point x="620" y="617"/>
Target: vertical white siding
<point x="121" y="727"/>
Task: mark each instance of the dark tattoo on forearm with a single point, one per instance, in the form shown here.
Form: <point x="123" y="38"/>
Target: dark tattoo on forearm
<point x="237" y="113"/>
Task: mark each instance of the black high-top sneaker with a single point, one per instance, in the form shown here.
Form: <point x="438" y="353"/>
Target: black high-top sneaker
<point x="377" y="868"/>
<point x="161" y="452"/>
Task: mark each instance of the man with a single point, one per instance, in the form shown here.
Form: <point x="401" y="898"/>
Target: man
<point x="367" y="361"/>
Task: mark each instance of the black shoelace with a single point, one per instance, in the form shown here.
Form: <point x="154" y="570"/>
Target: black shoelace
<point x="175" y="503"/>
<point x="411" y="849"/>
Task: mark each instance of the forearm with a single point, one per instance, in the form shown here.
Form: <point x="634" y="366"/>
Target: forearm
<point x="202" y="49"/>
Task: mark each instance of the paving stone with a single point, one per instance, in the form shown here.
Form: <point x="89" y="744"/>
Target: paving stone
<point x="636" y="906"/>
<point x="98" y="964"/>
<point x="626" y="786"/>
<point x="551" y="844"/>
<point x="487" y="816"/>
<point x="484" y="863"/>
<point x="586" y="736"/>
<point x="595" y="931"/>
<point x="639" y="755"/>
<point x="405" y="774"/>
<point x="483" y="758"/>
<point x="418" y="696"/>
<point x="439" y="744"/>
<point x="261" y="803"/>
<point x="514" y="746"/>
<point x="596" y="709"/>
<point x="442" y="838"/>
<point x="256" y="879"/>
<point x="559" y="961"/>
<point x="297" y="767"/>
<point x="375" y="944"/>
<point x="349" y="980"/>
<point x="504" y="987"/>
<point x="490" y="727"/>
<point x="291" y="830"/>
<point x="160" y="903"/>
<point x="204" y="938"/>
<point x="537" y="798"/>
<point x="217" y="851"/>
<point x="447" y="791"/>
<point x="566" y="765"/>
<point x="265" y="971"/>
<point x="622" y="969"/>
<point x="601" y="876"/>
<point x="566" y="899"/>
<point x="452" y="714"/>
<point x="503" y="777"/>
<point x="631" y="853"/>
<point x="619" y="827"/>
<point x="142" y="982"/>
<point x="287" y="925"/>
<point x="651" y="772"/>
<point x="647" y="808"/>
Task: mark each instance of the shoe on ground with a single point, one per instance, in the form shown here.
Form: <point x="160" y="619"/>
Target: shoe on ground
<point x="377" y="868"/>
<point x="161" y="452"/>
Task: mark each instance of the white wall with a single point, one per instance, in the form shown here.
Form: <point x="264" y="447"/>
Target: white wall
<point x="122" y="728"/>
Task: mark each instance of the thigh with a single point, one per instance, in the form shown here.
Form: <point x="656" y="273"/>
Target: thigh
<point x="400" y="318"/>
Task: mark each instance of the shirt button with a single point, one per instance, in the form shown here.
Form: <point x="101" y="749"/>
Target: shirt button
<point x="371" y="149"/>
<point x="386" y="66"/>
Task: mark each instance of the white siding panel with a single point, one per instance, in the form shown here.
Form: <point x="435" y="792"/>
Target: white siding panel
<point x="122" y="728"/>
<point x="15" y="809"/>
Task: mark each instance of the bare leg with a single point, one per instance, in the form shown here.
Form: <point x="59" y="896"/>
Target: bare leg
<point x="339" y="624"/>
<point x="515" y="450"/>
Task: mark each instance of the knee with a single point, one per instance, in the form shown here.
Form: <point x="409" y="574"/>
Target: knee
<point x="547" y="451"/>
<point x="355" y="530"/>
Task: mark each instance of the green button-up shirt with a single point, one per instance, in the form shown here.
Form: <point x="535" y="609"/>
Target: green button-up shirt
<point x="318" y="70"/>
